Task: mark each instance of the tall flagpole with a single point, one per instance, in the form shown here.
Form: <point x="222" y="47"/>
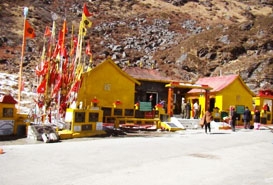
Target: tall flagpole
<point x="22" y="59"/>
<point x="61" y="66"/>
<point x="51" y="45"/>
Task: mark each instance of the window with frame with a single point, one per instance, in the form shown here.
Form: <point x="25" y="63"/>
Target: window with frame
<point x="129" y="112"/>
<point x="79" y="117"/>
<point x="106" y="111"/>
<point x="93" y="117"/>
<point x="7" y="112"/>
<point x="118" y="112"/>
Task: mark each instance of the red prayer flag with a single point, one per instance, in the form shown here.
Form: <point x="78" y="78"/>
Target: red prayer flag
<point x="76" y="86"/>
<point x="22" y="85"/>
<point x="56" y="51"/>
<point x="29" y="31"/>
<point x="63" y="52"/>
<point x="60" y="39"/>
<point x="42" y="71"/>
<point x="86" y="12"/>
<point x="74" y="46"/>
<point x="64" y="30"/>
<point x="47" y="32"/>
<point x="57" y="85"/>
<point x="42" y="86"/>
<point x="88" y="49"/>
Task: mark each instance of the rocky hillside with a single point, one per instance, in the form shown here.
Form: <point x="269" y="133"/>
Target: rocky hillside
<point x="185" y="39"/>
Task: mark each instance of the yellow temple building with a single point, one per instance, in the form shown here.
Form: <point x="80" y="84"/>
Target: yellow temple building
<point x="227" y="91"/>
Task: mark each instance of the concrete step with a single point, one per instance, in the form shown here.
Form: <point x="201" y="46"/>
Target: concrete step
<point x="189" y="123"/>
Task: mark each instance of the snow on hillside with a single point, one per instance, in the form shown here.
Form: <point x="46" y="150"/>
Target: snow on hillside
<point x="9" y="85"/>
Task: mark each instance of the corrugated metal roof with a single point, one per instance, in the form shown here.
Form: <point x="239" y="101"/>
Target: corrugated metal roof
<point x="147" y="74"/>
<point x="217" y="83"/>
<point x="265" y="93"/>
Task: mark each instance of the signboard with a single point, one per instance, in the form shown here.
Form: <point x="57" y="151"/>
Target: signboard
<point x="145" y="106"/>
<point x="224" y="114"/>
<point x="77" y="128"/>
<point x="99" y="126"/>
<point x="240" y="109"/>
<point x="6" y="127"/>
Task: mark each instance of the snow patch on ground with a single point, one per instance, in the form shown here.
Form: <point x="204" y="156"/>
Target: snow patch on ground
<point x="9" y="85"/>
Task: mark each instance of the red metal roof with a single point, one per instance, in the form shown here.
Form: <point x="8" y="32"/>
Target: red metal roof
<point x="8" y="99"/>
<point x="266" y="93"/>
<point x="217" y="83"/>
<point x="147" y="74"/>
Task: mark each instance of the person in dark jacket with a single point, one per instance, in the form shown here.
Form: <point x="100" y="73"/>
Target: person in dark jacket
<point x="233" y="116"/>
<point x="247" y="116"/>
<point x="257" y="118"/>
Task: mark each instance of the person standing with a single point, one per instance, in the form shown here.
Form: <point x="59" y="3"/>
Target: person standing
<point x="233" y="116"/>
<point x="257" y="118"/>
<point x="183" y="108"/>
<point x="266" y="108"/>
<point x="196" y="110"/>
<point x="188" y="110"/>
<point x="207" y="119"/>
<point x="247" y="116"/>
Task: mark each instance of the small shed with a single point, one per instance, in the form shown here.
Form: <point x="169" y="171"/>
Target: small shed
<point x="227" y="91"/>
<point x="7" y="115"/>
<point x="11" y="123"/>
<point x="263" y="102"/>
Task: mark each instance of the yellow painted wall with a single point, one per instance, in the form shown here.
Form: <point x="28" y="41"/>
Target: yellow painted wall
<point x="236" y="94"/>
<point x="219" y="101"/>
<point x="19" y="119"/>
<point x="108" y="84"/>
<point x="257" y="102"/>
<point x="202" y="104"/>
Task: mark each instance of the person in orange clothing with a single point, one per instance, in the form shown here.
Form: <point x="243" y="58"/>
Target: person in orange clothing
<point x="207" y="119"/>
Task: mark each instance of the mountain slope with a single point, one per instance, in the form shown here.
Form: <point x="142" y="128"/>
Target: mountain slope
<point x="184" y="39"/>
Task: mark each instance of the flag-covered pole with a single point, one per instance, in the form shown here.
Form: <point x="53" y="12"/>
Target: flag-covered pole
<point x="61" y="66"/>
<point x="22" y="59"/>
<point x="51" y="45"/>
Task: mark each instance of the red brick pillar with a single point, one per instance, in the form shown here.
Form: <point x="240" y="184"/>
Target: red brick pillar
<point x="207" y="102"/>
